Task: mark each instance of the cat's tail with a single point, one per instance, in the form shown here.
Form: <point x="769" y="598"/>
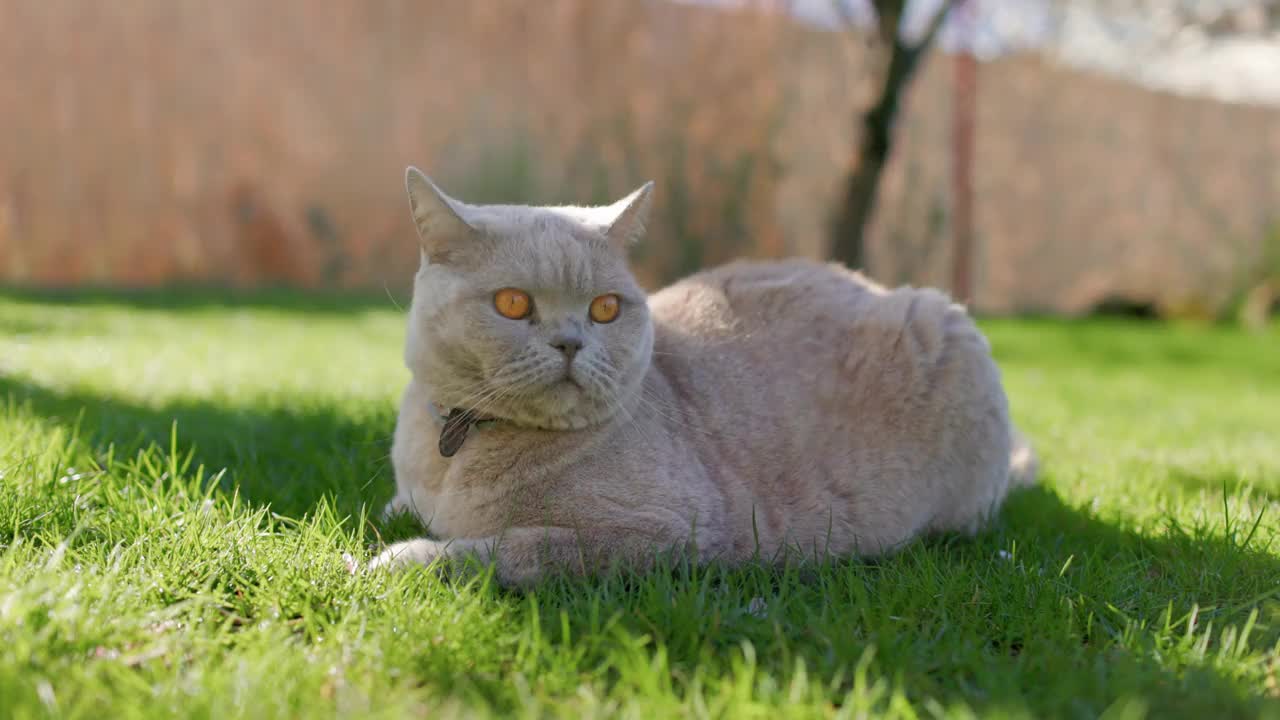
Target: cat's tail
<point x="1023" y="464"/>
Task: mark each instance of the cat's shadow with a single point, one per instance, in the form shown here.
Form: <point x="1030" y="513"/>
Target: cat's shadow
<point x="1043" y="601"/>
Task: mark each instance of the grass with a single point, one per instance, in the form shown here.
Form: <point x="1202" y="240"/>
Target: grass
<point x="180" y="475"/>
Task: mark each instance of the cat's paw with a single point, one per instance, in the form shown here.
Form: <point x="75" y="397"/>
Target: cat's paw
<point x="399" y="505"/>
<point x="420" y="551"/>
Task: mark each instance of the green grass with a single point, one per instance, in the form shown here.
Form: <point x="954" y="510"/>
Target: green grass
<point x="180" y="475"/>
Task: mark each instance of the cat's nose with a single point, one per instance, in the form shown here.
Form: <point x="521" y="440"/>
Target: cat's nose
<point x="567" y="344"/>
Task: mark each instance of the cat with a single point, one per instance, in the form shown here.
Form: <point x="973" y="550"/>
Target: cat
<point x="560" y="420"/>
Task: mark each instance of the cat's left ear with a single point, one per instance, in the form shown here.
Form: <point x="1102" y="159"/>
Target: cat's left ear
<point x="626" y="219"/>
<point x="441" y="220"/>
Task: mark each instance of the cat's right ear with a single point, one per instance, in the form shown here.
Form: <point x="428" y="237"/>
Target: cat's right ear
<point x="438" y="217"/>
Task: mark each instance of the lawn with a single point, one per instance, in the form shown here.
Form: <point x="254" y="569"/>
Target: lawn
<point x="180" y="475"/>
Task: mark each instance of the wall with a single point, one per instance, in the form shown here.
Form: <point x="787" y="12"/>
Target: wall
<point x="264" y="143"/>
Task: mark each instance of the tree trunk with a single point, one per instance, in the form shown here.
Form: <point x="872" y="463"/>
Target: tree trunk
<point x="848" y="241"/>
<point x="848" y="235"/>
<point x="875" y="143"/>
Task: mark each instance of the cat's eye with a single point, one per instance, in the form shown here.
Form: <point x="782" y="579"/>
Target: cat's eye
<point x="512" y="303"/>
<point x="604" y="309"/>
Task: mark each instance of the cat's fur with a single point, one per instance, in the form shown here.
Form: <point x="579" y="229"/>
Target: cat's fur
<point x="742" y="412"/>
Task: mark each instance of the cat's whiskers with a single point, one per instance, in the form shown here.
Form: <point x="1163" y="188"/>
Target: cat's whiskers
<point x="466" y="391"/>
<point x="614" y="402"/>
<point x="483" y="405"/>
<point x="481" y="402"/>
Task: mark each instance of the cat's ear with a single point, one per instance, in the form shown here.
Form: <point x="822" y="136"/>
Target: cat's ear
<point x="439" y="218"/>
<point x="626" y="219"/>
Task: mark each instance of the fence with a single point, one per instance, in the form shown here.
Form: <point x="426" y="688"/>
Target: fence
<point x="251" y="143"/>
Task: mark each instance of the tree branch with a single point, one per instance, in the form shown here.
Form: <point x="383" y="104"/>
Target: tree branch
<point x="935" y="26"/>
<point x="889" y="19"/>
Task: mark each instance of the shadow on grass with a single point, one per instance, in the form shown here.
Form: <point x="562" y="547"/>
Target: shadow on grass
<point x="18" y="327"/>
<point x="1054" y="609"/>
<point x="199" y="299"/>
<point x="288" y="458"/>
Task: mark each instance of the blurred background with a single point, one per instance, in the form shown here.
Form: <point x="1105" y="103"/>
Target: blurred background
<point x="1062" y="156"/>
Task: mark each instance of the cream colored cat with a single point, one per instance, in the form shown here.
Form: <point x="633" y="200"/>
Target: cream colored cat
<point x="742" y="412"/>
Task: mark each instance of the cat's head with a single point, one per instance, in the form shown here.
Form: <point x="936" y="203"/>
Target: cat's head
<point x="528" y="314"/>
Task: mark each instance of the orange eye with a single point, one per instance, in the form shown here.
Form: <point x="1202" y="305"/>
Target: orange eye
<point x="512" y="303"/>
<point x="604" y="309"/>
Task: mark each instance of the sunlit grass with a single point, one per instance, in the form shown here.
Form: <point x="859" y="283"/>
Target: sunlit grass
<point x="179" y="478"/>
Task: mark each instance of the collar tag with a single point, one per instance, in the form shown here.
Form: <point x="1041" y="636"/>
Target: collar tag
<point x="454" y="432"/>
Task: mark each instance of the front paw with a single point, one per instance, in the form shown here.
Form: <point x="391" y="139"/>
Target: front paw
<point x="410" y="552"/>
<point x="399" y="505"/>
